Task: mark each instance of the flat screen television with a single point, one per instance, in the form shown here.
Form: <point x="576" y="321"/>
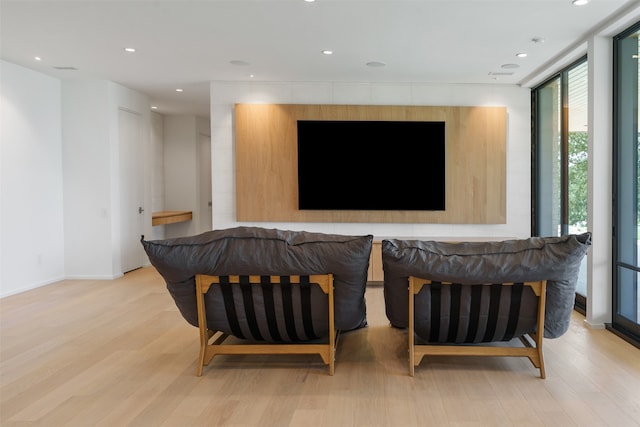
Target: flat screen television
<point x="371" y="165"/>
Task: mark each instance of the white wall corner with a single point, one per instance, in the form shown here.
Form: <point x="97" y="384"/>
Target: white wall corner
<point x="599" y="203"/>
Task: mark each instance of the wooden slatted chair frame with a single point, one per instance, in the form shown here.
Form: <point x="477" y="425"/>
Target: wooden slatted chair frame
<point x="211" y="341"/>
<point x="532" y="350"/>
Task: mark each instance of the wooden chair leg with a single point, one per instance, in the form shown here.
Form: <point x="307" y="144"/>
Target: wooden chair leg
<point x="410" y="332"/>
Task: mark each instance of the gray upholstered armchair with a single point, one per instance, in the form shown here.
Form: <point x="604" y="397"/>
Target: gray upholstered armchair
<point x="469" y="293"/>
<point x="264" y="287"/>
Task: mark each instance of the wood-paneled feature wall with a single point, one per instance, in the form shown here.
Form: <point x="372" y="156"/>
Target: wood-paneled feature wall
<point x="267" y="170"/>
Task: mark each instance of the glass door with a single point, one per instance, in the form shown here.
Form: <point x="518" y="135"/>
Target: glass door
<point x="548" y="148"/>
<point x="626" y="270"/>
<point x="577" y="165"/>
<point x="560" y="160"/>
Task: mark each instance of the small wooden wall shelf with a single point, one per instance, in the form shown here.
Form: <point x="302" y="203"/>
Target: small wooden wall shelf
<point x="170" y="217"/>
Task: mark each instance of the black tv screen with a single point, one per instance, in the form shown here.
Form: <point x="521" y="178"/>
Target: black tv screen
<point x="371" y="165"/>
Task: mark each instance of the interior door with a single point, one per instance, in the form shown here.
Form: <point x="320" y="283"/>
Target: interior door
<point x="131" y="190"/>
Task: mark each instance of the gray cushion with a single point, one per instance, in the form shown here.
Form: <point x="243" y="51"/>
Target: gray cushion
<point x="555" y="259"/>
<point x="261" y="251"/>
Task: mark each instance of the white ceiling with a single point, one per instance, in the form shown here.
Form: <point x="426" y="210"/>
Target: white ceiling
<point x="185" y="43"/>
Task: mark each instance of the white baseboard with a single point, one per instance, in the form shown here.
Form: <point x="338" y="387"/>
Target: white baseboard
<point x="30" y="287"/>
<point x="112" y="277"/>
<point x="593" y="325"/>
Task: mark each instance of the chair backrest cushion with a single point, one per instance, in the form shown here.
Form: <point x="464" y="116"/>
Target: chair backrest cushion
<point x="555" y="259"/>
<point x="262" y="251"/>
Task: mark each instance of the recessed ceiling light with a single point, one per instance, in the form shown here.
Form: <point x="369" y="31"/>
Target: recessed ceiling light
<point x="309" y="1"/>
<point x="37" y="58"/>
<point x="375" y="64"/>
<point x="327" y="52"/>
<point x="251" y="76"/>
<point x="179" y="90"/>
<point x="521" y="55"/>
<point x="129" y="49"/>
<point x="154" y="107"/>
<point x="579" y="2"/>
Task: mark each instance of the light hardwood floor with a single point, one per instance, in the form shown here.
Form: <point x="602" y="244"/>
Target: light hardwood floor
<point x="118" y="353"/>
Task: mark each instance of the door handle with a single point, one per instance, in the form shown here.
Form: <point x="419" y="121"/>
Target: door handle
<point x="140" y="210"/>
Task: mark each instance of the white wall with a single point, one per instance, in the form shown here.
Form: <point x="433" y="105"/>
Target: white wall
<point x="31" y="206"/>
<point x="157" y="172"/>
<point x="87" y="183"/>
<point x="180" y="136"/>
<point x="517" y="100"/>
<point x="599" y="212"/>
<point x="59" y="192"/>
<point x="90" y="111"/>
<point x="181" y="174"/>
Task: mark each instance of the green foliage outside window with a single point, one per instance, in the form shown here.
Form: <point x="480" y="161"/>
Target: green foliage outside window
<point x="578" y="162"/>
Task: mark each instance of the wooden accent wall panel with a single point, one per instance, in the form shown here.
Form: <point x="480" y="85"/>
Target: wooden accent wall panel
<point x="266" y="163"/>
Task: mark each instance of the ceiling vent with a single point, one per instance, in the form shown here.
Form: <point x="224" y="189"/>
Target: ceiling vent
<point x="66" y="68"/>
<point x="501" y="73"/>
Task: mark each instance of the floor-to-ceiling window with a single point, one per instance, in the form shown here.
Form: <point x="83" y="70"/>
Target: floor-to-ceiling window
<point x="626" y="268"/>
<point x="560" y="134"/>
